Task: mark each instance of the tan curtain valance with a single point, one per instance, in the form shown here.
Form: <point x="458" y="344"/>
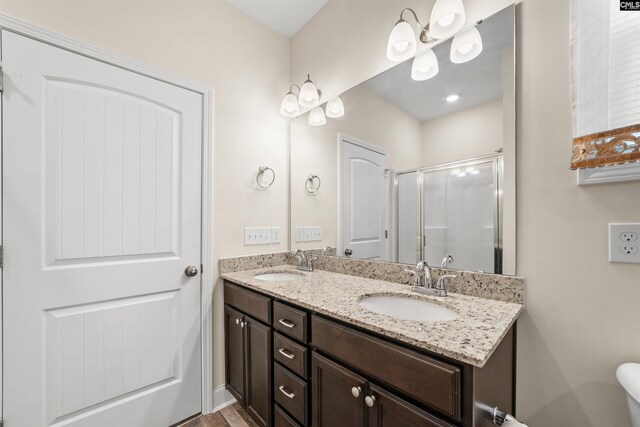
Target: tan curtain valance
<point x="612" y="147"/>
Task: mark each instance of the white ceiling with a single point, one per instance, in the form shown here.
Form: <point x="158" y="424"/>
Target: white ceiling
<point x="477" y="82"/>
<point x="285" y="17"/>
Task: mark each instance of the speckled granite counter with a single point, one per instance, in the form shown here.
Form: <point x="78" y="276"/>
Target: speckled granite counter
<point x="470" y="338"/>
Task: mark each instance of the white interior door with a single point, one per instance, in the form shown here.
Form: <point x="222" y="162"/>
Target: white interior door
<point x="102" y="193"/>
<point x="363" y="200"/>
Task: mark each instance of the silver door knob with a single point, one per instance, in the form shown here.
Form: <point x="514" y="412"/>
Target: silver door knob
<point x="355" y="391"/>
<point x="348" y="252"/>
<point x="370" y="400"/>
<point x="191" y="271"/>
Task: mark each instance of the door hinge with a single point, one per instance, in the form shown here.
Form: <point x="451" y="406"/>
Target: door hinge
<point x="1" y="89"/>
<point x="1" y="266"/>
<point x="386" y="236"/>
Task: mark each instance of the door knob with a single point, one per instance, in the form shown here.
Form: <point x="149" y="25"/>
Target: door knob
<point x="348" y="252"/>
<point x="191" y="271"/>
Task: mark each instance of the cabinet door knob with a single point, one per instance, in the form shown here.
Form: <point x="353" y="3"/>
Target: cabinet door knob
<point x="242" y="324"/>
<point x="237" y="321"/>
<point x="356" y="391"/>
<point x="370" y="400"/>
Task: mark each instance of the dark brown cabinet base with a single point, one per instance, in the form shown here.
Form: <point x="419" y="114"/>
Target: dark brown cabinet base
<point x="290" y="367"/>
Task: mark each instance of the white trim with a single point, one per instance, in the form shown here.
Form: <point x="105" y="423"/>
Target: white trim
<point x="206" y="290"/>
<point x="609" y="174"/>
<point x="222" y="398"/>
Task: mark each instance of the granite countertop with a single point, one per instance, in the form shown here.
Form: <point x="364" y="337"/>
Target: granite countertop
<point x="471" y="337"/>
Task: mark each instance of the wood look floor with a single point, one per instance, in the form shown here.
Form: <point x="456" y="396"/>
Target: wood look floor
<point x="230" y="416"/>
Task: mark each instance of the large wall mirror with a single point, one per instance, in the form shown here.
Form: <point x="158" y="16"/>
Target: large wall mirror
<point x="416" y="169"/>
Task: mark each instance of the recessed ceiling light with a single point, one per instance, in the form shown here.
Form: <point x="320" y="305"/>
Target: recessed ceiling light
<point x="453" y="98"/>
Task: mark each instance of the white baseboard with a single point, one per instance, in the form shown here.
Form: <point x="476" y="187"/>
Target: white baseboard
<point x="222" y="398"/>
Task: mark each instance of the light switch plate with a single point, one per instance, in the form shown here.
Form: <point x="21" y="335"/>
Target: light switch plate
<point x="299" y="234"/>
<point x="275" y="235"/>
<point x="313" y="234"/>
<point x="257" y="236"/>
<point x="624" y="243"/>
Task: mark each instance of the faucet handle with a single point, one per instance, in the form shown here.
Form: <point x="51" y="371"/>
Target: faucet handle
<point x="416" y="276"/>
<point x="441" y="285"/>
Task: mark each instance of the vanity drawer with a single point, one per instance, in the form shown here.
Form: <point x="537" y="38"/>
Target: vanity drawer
<point x="281" y="419"/>
<point x="431" y="381"/>
<point x="249" y="302"/>
<point x="290" y="321"/>
<point x="289" y="354"/>
<point x="291" y="393"/>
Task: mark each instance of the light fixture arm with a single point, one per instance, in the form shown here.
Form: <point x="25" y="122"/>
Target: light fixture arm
<point x="425" y="36"/>
<point x="291" y="89"/>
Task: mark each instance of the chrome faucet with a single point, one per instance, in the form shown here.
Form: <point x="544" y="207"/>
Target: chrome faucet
<point x="446" y="261"/>
<point x="423" y="281"/>
<point x="304" y="263"/>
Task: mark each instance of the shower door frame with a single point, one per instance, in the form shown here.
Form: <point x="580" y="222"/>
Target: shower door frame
<point x="498" y="176"/>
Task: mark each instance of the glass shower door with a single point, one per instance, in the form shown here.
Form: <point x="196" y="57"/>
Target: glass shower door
<point x="460" y="213"/>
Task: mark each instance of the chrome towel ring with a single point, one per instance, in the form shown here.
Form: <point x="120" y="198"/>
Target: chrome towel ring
<point x="261" y="172"/>
<point x="310" y="184"/>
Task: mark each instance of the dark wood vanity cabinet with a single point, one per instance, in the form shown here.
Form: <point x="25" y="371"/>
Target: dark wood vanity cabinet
<point x="290" y="367"/>
<point x="248" y="355"/>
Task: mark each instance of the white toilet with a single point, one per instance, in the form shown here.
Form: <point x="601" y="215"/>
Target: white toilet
<point x="629" y="377"/>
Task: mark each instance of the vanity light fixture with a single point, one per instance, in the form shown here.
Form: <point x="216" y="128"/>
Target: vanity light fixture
<point x="309" y="95"/>
<point x="335" y="108"/>
<point x="453" y="98"/>
<point x="317" y="117"/>
<point x="447" y="18"/>
<point x="466" y="46"/>
<point x="289" y="106"/>
<point x="425" y="66"/>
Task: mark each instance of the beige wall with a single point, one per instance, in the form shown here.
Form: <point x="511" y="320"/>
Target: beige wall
<point x="370" y="119"/>
<point x="249" y="72"/>
<point x="472" y="132"/>
<point x="581" y="317"/>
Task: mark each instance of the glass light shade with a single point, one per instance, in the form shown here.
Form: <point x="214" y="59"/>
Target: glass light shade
<point x="317" y="117"/>
<point x="447" y="18"/>
<point x="289" y="106"/>
<point x="335" y="108"/>
<point x="309" y="96"/>
<point x="425" y="66"/>
<point x="466" y="46"/>
<point x="402" y="42"/>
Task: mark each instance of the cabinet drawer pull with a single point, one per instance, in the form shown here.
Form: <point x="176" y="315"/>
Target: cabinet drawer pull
<point x="370" y="400"/>
<point x="289" y="395"/>
<point x="286" y="353"/>
<point x="287" y="323"/>
<point x="355" y="391"/>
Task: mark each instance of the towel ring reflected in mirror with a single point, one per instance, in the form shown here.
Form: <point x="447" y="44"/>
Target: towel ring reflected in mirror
<point x="260" y="174"/>
<point x="310" y="184"/>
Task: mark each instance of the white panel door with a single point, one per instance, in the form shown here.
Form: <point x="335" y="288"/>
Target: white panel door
<point x="102" y="179"/>
<point x="364" y="201"/>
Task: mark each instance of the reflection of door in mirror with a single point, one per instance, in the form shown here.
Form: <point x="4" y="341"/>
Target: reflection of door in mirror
<point x="452" y="209"/>
<point x="363" y="195"/>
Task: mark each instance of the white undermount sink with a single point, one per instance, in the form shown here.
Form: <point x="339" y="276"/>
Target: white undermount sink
<point x="278" y="276"/>
<point x="405" y="308"/>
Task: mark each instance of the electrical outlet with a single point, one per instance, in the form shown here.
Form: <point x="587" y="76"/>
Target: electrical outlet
<point x="275" y="235"/>
<point x="299" y="234"/>
<point x="312" y="234"/>
<point x="623" y="243"/>
<point x="257" y="236"/>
